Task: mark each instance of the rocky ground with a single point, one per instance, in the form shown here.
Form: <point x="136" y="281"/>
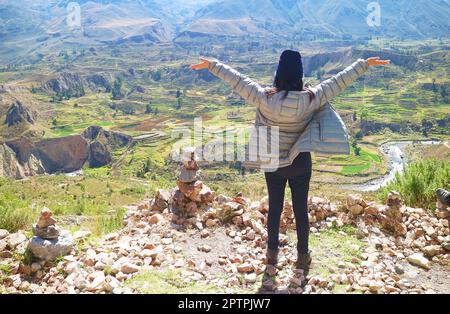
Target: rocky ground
<point x="378" y="249"/>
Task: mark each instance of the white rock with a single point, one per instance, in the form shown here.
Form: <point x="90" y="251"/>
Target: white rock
<point x="250" y="278"/>
<point x="418" y="259"/>
<point x="15" y="239"/>
<point x="72" y="267"/>
<point x="97" y="282"/>
<point x="80" y="283"/>
<point x="3" y="233"/>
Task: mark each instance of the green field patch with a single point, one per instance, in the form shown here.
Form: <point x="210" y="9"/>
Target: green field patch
<point x="168" y="282"/>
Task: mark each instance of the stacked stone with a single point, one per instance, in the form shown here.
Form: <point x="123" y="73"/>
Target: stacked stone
<point x="192" y="195"/>
<point x="45" y="227"/>
<point x="442" y="210"/>
<point x="48" y="241"/>
<point x="391" y="217"/>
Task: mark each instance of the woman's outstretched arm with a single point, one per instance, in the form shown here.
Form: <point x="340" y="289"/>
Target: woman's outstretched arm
<point x="330" y="88"/>
<point x="251" y="91"/>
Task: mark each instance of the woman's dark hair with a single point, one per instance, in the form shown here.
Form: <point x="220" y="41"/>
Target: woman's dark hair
<point x="288" y="85"/>
<point x="289" y="76"/>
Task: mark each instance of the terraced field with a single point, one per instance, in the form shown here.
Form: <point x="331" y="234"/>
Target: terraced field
<point x="162" y="95"/>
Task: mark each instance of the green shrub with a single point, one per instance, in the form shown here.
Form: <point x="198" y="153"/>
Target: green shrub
<point x="105" y="224"/>
<point x="14" y="213"/>
<point x="418" y="184"/>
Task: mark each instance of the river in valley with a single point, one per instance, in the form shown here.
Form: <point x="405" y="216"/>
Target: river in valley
<point x="396" y="154"/>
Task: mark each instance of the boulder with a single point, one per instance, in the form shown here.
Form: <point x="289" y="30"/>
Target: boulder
<point x="65" y="154"/>
<point x="49" y="250"/>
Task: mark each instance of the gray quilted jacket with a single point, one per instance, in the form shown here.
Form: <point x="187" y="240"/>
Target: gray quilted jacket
<point x="298" y="123"/>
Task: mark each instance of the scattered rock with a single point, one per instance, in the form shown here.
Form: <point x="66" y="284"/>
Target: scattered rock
<point x="129" y="268"/>
<point x="431" y="250"/>
<point x="14" y="239"/>
<point x="98" y="279"/>
<point x="245" y="268"/>
<point x="446" y="246"/>
<point x="250" y="278"/>
<point x="3" y="233"/>
<point x="418" y="259"/>
<point x="205" y="248"/>
<point x="204" y="233"/>
<point x="155" y="219"/>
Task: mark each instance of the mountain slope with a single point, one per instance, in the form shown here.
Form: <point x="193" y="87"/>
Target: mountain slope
<point x="405" y="19"/>
<point x="42" y="25"/>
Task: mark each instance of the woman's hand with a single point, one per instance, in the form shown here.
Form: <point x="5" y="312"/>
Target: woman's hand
<point x="375" y="61"/>
<point x="204" y="64"/>
<point x="271" y="91"/>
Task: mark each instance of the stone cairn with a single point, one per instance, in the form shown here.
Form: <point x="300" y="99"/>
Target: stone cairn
<point x="442" y="210"/>
<point x="48" y="241"/>
<point x="191" y="194"/>
<point x="391" y="217"/>
<point x="45" y="227"/>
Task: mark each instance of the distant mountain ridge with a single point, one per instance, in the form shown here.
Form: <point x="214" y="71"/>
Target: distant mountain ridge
<point x="38" y="25"/>
<point x="337" y="18"/>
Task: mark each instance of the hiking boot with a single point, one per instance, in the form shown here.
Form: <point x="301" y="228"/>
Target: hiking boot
<point x="272" y="257"/>
<point x="443" y="196"/>
<point x="304" y="262"/>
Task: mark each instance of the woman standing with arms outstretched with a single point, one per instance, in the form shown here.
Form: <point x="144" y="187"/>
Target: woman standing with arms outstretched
<point x="306" y="123"/>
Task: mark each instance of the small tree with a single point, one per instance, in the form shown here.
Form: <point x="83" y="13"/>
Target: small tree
<point x="179" y="104"/>
<point x="444" y="93"/>
<point x="148" y="109"/>
<point x="117" y="89"/>
<point x="355" y="147"/>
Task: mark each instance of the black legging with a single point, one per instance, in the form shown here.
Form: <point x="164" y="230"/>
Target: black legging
<point x="299" y="176"/>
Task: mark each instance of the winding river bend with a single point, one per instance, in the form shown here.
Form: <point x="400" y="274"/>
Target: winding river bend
<point x="396" y="153"/>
